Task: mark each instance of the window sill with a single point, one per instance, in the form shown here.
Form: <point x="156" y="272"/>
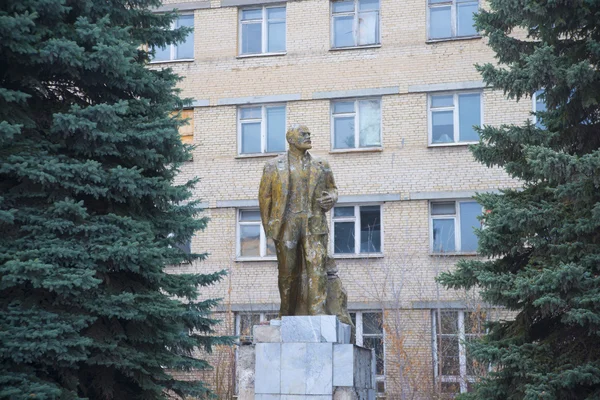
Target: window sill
<point x="454" y="254"/>
<point x="355" y="256"/>
<point x="359" y="150"/>
<point x="451" y="144"/>
<point x="370" y="46"/>
<point x="257" y="155"/>
<point x="241" y="56"/>
<point x="255" y="259"/>
<point x="183" y="60"/>
<point x="453" y="39"/>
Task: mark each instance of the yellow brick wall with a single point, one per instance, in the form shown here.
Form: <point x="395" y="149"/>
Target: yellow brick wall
<point x="405" y="274"/>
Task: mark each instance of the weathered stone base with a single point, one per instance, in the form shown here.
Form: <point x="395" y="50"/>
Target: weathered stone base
<point x="305" y="357"/>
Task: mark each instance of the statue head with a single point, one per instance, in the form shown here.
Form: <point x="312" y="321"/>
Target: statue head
<point x="298" y="136"/>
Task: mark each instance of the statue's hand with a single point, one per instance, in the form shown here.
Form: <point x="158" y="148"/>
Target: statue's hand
<point x="325" y="201"/>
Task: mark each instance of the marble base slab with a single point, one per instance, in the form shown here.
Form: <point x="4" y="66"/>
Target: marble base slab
<point x="305" y="358"/>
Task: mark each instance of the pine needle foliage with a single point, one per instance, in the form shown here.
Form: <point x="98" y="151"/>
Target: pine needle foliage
<point x="90" y="215"/>
<point x="542" y="243"/>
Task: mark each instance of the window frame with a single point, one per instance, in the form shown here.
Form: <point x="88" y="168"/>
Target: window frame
<point x="262" y="241"/>
<point x="356" y="113"/>
<point x="457" y="225"/>
<point x="355" y="27"/>
<point x="263" y="128"/>
<point x="357" y="236"/>
<point x="173" y="46"/>
<point x="264" y="39"/>
<point x="359" y="336"/>
<point x="455" y="116"/>
<point x="453" y="20"/>
<point x="462" y="379"/>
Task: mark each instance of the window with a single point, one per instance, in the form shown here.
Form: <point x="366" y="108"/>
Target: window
<point x="453" y="366"/>
<point x="354" y="23"/>
<point x="180" y="51"/>
<point x="451" y="18"/>
<point x="261" y="129"/>
<point x="262" y="30"/>
<point x="187" y="131"/>
<point x="539" y="105"/>
<point x="357" y="229"/>
<point x="369" y="334"/>
<point x="356" y="124"/>
<point x="251" y="239"/>
<point x="244" y="321"/>
<point x="452" y="117"/>
<point x="452" y="226"/>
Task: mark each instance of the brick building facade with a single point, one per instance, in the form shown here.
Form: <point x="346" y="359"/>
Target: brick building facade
<point x="390" y="93"/>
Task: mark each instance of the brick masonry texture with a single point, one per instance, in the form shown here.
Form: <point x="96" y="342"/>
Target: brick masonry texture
<point x="405" y="164"/>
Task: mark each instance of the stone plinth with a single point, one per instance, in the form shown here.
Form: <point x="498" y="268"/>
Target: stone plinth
<point x="305" y="357"/>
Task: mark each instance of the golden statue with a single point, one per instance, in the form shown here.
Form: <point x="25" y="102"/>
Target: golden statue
<point x="296" y="190"/>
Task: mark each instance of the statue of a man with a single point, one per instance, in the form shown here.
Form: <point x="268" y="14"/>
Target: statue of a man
<point x="296" y="190"/>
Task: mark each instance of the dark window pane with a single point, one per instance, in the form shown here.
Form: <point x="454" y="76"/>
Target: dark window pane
<point x="439" y="22"/>
<point x="343" y="6"/>
<point x="276" y="37"/>
<point x="247" y="321"/>
<point x="185" y="49"/>
<point x="251" y="138"/>
<point x="380" y="386"/>
<point x="353" y="318"/>
<point x="275" y="129"/>
<point x="449" y="322"/>
<point x="249" y="215"/>
<point x="464" y="19"/>
<point x="252" y="14"/>
<point x="468" y="223"/>
<point x="443" y="235"/>
<point x="450" y="387"/>
<point x="368" y="28"/>
<point x="475" y="322"/>
<point x="370" y="229"/>
<point x="443" y="208"/>
<point x="469" y="115"/>
<point x="442" y="101"/>
<point x="251" y="38"/>
<point x="186" y="246"/>
<point x="250" y="240"/>
<point x="343" y="133"/>
<point x="343" y="35"/>
<point x="250" y="113"/>
<point x="372" y="323"/>
<point x="343" y="212"/>
<point x="376" y="343"/>
<point x="344" y="237"/>
<point x="448" y="355"/>
<point x="162" y="53"/>
<point x="442" y="127"/>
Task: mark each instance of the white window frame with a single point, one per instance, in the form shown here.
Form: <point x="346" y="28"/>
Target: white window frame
<point x="263" y="31"/>
<point x="357" y="237"/>
<point x="173" y="46"/>
<point x="457" y="224"/>
<point x="463" y="379"/>
<point x="356" y="115"/>
<point x="360" y="340"/>
<point x="263" y="238"/>
<point x="455" y="117"/>
<point x="354" y="26"/>
<point x="263" y="127"/>
<point x="453" y="20"/>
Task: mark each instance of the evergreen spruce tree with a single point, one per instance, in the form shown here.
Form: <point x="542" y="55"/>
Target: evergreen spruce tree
<point x="89" y="212"/>
<point x="542" y="242"/>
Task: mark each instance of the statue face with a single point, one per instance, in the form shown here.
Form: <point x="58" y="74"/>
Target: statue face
<point x="300" y="138"/>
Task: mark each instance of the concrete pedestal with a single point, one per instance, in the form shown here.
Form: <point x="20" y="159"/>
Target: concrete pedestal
<point x="305" y="357"/>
